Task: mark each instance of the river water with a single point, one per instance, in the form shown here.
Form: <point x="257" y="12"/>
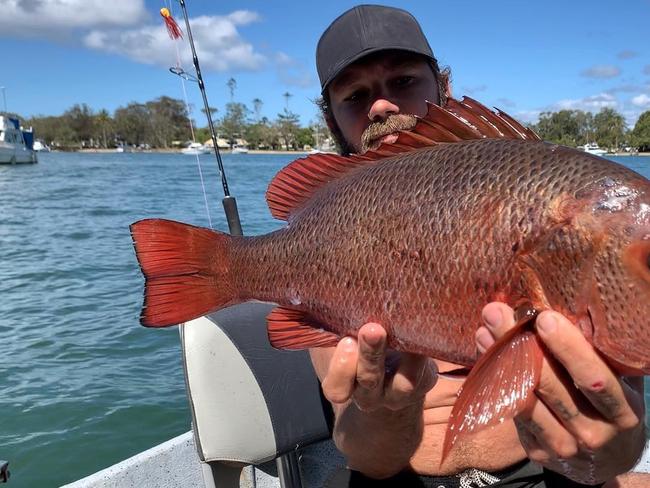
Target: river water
<point x="82" y="385"/>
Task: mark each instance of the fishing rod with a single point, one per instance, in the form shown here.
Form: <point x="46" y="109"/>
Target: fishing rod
<point x="287" y="464"/>
<point x="229" y="202"/>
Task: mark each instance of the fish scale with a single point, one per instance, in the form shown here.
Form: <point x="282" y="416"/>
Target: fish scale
<point x="376" y="212"/>
<point x="420" y="241"/>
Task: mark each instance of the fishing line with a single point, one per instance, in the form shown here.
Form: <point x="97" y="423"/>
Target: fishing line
<point x="229" y="202"/>
<point x="183" y="75"/>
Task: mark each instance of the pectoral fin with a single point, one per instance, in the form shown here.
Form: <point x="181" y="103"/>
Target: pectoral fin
<point x="500" y="385"/>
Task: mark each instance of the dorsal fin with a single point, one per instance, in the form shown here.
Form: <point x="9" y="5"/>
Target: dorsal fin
<point x="457" y="121"/>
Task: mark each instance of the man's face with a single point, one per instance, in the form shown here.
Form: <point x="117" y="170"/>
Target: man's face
<point x="375" y="94"/>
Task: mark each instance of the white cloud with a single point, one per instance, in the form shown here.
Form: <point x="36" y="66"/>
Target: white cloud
<point x="291" y="73"/>
<point x="527" y="116"/>
<point x="283" y="59"/>
<point x="601" y="71"/>
<point x="630" y="88"/>
<point x="588" y="104"/>
<point x="219" y="46"/>
<point x="627" y="54"/>
<point x="47" y="18"/>
<point x="642" y="100"/>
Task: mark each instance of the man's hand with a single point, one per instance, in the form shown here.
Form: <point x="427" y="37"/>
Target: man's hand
<point x="587" y="422"/>
<point x="377" y="396"/>
<point x="363" y="371"/>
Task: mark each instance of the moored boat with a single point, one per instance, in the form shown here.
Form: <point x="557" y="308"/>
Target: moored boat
<point x="593" y="148"/>
<point x="238" y="149"/>
<point x="16" y="143"/>
<point x="40" y="146"/>
<point x="195" y="148"/>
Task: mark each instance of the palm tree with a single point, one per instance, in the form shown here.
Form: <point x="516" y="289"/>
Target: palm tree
<point x="257" y="106"/>
<point x="286" y="96"/>
<point x="232" y="84"/>
<point x="103" y="121"/>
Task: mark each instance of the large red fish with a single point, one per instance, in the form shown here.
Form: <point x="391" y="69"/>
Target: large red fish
<point x="467" y="208"/>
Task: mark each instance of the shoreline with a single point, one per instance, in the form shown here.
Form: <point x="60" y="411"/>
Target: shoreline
<point x="259" y="151"/>
<point x="178" y="151"/>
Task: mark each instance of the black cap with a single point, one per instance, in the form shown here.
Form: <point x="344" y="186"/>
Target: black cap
<point x="364" y="30"/>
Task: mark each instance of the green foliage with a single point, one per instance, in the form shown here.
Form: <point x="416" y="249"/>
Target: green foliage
<point x="287" y="127"/>
<point x="640" y="135"/>
<point x="104" y="125"/>
<point x="304" y="137"/>
<point x="132" y="124"/>
<point x="609" y="128"/>
<point x="566" y="127"/>
<point x="160" y="122"/>
<point x="234" y="121"/>
<point x="261" y="135"/>
<point x="202" y="134"/>
<point x="575" y="128"/>
<point x="168" y="121"/>
<point x="53" y="131"/>
<point x="80" y="119"/>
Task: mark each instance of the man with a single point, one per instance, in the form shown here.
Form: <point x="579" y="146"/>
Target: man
<point x="376" y="70"/>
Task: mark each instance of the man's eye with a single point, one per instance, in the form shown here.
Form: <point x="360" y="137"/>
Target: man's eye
<point x="354" y="96"/>
<point x="405" y="80"/>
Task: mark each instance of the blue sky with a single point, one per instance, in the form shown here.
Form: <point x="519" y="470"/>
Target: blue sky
<point x="523" y="57"/>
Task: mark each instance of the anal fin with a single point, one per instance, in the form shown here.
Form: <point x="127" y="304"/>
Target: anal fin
<point x="499" y="386"/>
<point x="293" y="329"/>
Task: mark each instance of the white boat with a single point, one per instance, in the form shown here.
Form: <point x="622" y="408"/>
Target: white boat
<point x="122" y="148"/>
<point x="237" y="149"/>
<point x="16" y="143"/>
<point x="195" y="148"/>
<point x="40" y="146"/>
<point x="592" y="148"/>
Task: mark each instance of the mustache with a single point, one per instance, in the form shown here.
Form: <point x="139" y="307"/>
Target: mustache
<point x="376" y="130"/>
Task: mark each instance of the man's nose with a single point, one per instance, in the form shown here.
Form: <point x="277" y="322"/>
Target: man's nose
<point x="381" y="109"/>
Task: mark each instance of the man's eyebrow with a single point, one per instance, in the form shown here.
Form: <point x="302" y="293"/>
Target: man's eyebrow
<point x="348" y="76"/>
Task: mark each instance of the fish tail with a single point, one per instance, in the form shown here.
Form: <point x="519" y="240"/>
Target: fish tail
<point x="500" y="386"/>
<point x="186" y="271"/>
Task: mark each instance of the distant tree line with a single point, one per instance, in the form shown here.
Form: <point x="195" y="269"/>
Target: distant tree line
<point x="163" y="123"/>
<point x="607" y="128"/>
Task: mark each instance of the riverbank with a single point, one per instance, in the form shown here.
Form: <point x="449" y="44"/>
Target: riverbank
<point x="268" y="151"/>
<point x="178" y="151"/>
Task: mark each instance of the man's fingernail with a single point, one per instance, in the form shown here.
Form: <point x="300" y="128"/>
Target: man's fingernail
<point x="348" y="344"/>
<point x="372" y="335"/>
<point x="547" y="323"/>
<point x="484" y="339"/>
<point x="492" y="316"/>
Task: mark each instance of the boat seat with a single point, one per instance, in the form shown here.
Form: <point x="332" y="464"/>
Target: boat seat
<point x="250" y="403"/>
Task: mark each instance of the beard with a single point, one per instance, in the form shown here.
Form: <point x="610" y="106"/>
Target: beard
<point x="371" y="137"/>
